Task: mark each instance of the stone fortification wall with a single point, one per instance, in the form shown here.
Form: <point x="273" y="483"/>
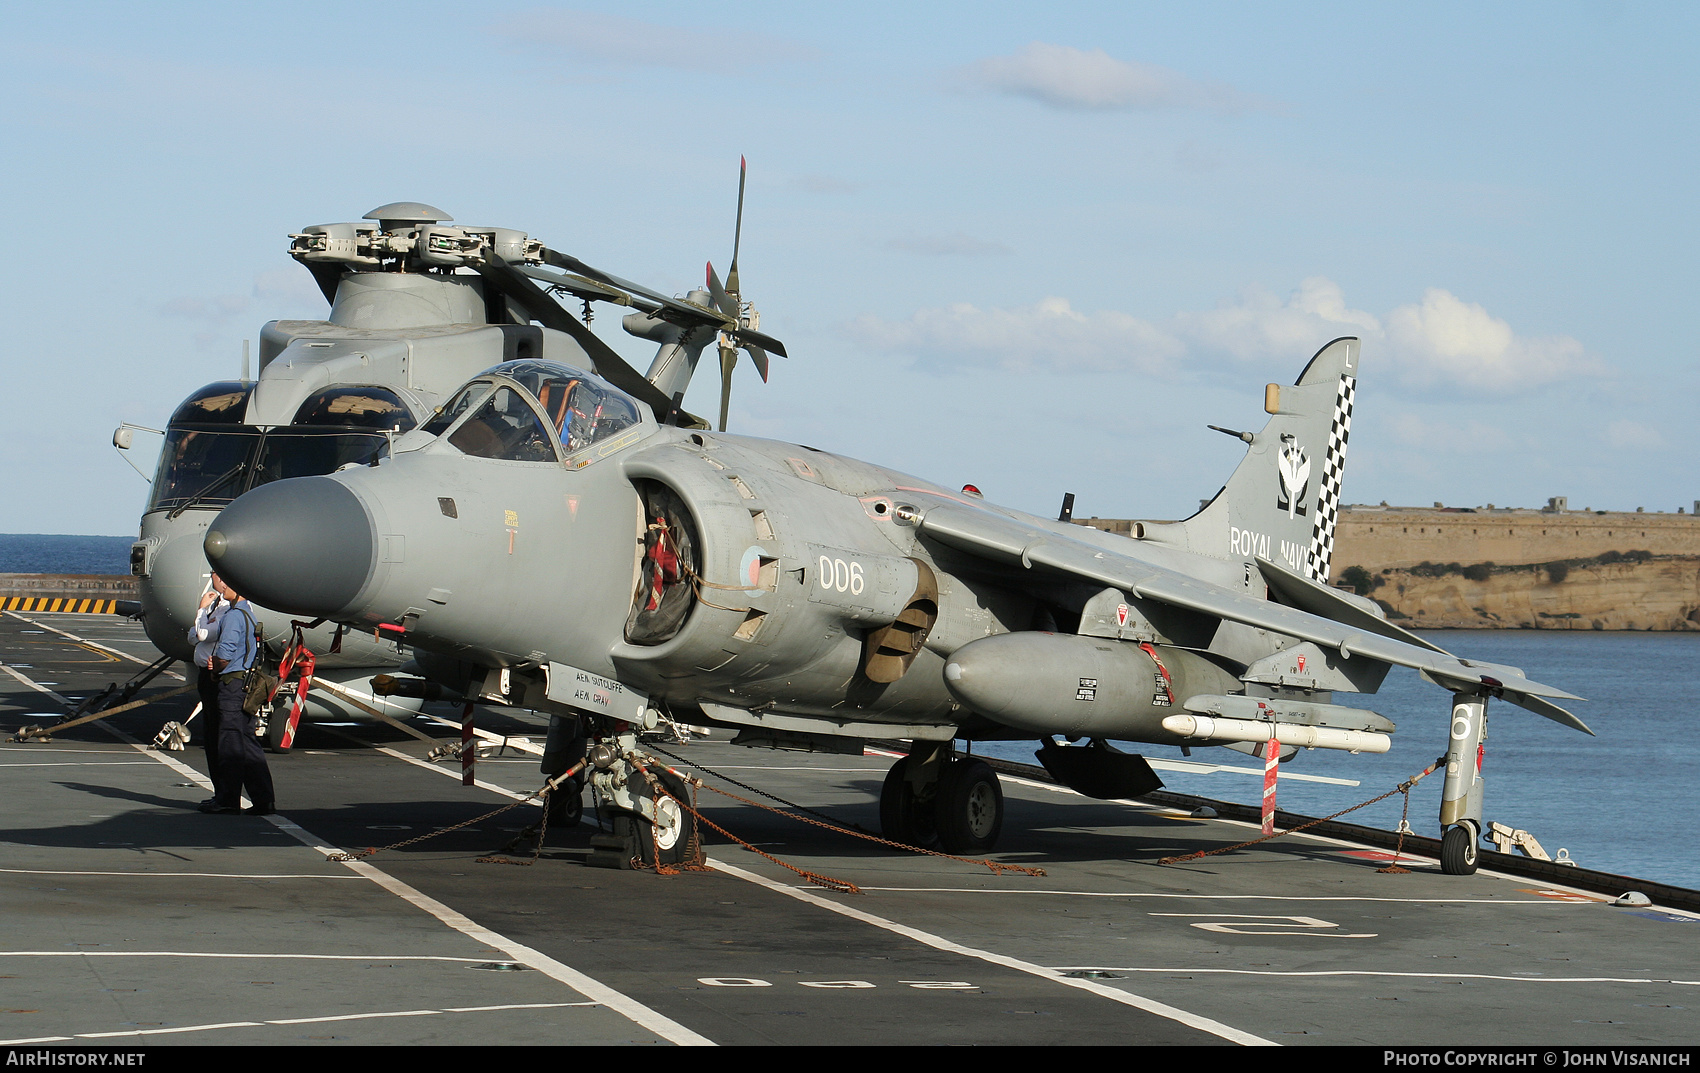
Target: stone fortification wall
<point x="1376" y="538"/>
<point x="1530" y="569"/>
<point x="1655" y="594"/>
<point x="1401" y="537"/>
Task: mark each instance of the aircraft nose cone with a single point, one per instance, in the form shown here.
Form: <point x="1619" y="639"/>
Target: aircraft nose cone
<point x="303" y="546"/>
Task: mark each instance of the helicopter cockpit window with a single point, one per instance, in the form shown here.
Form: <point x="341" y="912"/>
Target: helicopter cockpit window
<point x="208" y="450"/>
<point x="366" y="407"/>
<point x="221" y="403"/>
<point x="203" y="465"/>
<point x="506" y="427"/>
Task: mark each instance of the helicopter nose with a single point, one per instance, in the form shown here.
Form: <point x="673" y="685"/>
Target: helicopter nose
<point x="304" y="546"/>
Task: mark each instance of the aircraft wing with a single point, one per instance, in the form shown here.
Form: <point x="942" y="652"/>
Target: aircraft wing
<point x="993" y="536"/>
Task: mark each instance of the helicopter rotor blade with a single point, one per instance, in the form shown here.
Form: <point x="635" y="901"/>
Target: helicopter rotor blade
<point x="578" y="286"/>
<point x="667" y="308"/>
<point x="726" y="303"/>
<point x="728" y="362"/>
<point x="508" y="282"/>
<point x="737" y="234"/>
<point x="759" y="356"/>
<point x="751" y="337"/>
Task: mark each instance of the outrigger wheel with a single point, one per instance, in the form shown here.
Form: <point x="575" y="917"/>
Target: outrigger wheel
<point x="959" y="812"/>
<point x="1458" y="850"/>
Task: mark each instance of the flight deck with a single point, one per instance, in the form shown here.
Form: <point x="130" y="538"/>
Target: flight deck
<point x="136" y="919"/>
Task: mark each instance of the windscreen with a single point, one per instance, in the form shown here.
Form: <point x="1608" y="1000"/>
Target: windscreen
<point x="298" y="453"/>
<point x="210" y="457"/>
<point x="206" y="464"/>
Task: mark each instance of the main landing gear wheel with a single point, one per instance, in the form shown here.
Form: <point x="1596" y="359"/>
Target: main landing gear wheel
<point x="1458" y="850"/>
<point x="905" y="816"/>
<point x="969" y="807"/>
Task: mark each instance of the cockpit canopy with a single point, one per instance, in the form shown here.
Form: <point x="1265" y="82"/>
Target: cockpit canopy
<point x="534" y="411"/>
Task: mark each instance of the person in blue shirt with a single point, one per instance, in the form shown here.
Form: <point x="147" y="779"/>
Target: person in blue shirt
<point x="241" y="760"/>
<point x="204" y="636"/>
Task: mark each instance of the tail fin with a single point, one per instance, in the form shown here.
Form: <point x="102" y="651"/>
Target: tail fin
<point x="1283" y="500"/>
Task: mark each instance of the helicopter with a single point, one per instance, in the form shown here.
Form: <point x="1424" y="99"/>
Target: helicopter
<point x="405" y="328"/>
<point x="560" y="535"/>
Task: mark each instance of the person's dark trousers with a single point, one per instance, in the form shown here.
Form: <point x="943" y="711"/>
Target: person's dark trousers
<point x="240" y="756"/>
<point x="206" y="686"/>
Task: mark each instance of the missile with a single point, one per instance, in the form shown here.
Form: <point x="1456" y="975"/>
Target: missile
<point x="1211" y="728"/>
<point x="1308" y="724"/>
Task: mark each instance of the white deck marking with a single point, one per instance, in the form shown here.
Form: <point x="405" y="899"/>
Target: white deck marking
<point x="595" y="990"/>
<point x="178" y="875"/>
<point x="1323" y="839"/>
<point x="661" y="1025"/>
<point x="298" y="1021"/>
<point x="506" y="741"/>
<point x="82" y="763"/>
<point x="776" y="767"/>
<point x="1228" y="897"/>
<point x="36" y="686"/>
<point x="1379" y="973"/>
<point x="240" y="957"/>
<point x="453" y="773"/>
<point x="59" y="748"/>
<point x="106" y="648"/>
<point x="1127" y="998"/>
<point x="937" y="942"/>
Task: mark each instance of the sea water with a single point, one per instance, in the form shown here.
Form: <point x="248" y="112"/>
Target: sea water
<point x="40" y="553"/>
<point x="1626" y="800"/>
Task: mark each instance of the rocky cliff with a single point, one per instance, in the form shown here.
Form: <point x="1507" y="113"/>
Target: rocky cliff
<point x="1655" y="593"/>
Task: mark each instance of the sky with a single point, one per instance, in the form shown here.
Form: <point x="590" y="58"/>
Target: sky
<point x="1034" y="248"/>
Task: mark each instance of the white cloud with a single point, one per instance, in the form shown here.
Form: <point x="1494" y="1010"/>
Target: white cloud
<point x="955" y="244"/>
<point x="1439" y="344"/>
<point x="617" y="41"/>
<point x="1260" y="325"/>
<point x="1050" y="334"/>
<point x="1064" y="77"/>
<point x="1439" y="437"/>
<point x="1633" y="436"/>
<point x="1445" y="339"/>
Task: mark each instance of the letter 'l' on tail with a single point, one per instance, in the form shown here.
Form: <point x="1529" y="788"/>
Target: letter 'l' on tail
<point x="1283" y="500"/>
